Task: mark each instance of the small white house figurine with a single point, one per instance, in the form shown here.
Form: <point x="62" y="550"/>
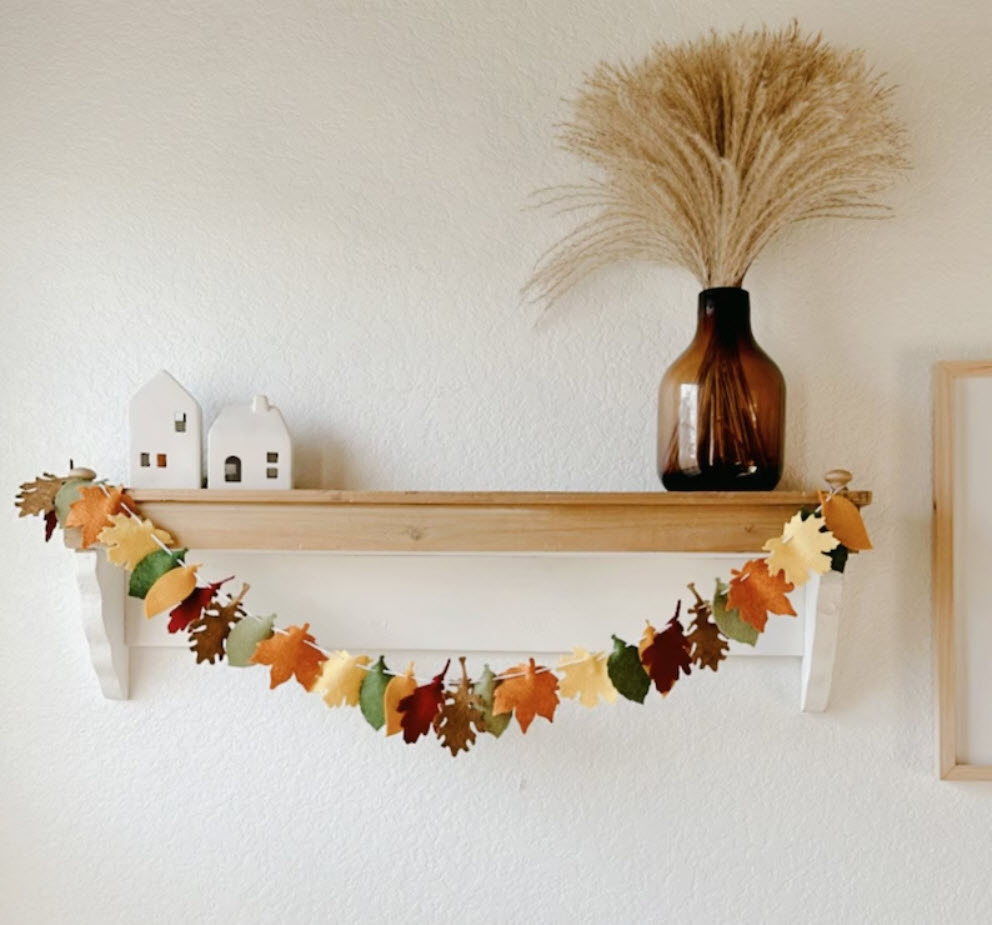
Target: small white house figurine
<point x="248" y="446"/>
<point x="166" y="442"/>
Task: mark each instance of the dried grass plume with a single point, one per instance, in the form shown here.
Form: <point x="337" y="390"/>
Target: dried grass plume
<point x="707" y="149"/>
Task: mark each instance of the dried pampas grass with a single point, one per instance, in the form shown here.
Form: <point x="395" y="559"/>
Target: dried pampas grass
<point x="710" y="148"/>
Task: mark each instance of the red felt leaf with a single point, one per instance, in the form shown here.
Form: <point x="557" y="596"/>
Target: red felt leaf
<point x="419" y="709"/>
<point x="190" y="609"/>
<point x="667" y="655"/>
<point x="51" y="522"/>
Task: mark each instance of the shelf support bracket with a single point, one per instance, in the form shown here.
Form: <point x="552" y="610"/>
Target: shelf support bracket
<point x="822" y="607"/>
<point x="102" y="593"/>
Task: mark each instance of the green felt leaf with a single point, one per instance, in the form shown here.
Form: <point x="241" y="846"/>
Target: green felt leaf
<point x="370" y="697"/>
<point x="67" y="496"/>
<point x="245" y="635"/>
<point x="729" y="621"/>
<point x="484" y="688"/>
<point x="626" y="671"/>
<point x="151" y="568"/>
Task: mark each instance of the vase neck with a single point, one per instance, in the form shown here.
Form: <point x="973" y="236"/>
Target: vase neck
<point x="724" y="313"/>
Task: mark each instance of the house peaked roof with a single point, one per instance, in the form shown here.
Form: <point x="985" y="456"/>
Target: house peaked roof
<point x="162" y="383"/>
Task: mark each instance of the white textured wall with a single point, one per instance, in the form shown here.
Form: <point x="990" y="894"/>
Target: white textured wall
<point x="322" y="201"/>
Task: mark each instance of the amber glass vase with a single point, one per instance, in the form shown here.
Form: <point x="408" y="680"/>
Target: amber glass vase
<point x="721" y="405"/>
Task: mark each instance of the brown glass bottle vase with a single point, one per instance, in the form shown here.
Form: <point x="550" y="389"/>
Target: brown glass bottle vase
<point x="721" y="405"/>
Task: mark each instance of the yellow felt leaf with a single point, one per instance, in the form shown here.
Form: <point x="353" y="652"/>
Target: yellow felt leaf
<point x="800" y="550"/>
<point x="844" y="521"/>
<point x="129" y="540"/>
<point x="340" y="679"/>
<point x="170" y="589"/>
<point x="399" y="688"/>
<point x="584" y="676"/>
<point x="649" y="633"/>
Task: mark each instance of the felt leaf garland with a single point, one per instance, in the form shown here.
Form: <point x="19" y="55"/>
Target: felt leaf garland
<point x="341" y="678"/>
<point x="92" y="512"/>
<point x="755" y="592"/>
<point x="729" y="620"/>
<point x="171" y="589"/>
<point x="708" y="647"/>
<point x="418" y="709"/>
<point x="843" y="520"/>
<point x="67" y="496"/>
<point x="153" y="567"/>
<point x="584" y="676"/>
<point x="528" y="690"/>
<point x="190" y="609"/>
<point x="129" y="539"/>
<point x="800" y="550"/>
<point x="371" y="697"/>
<point x="210" y="631"/>
<point x="398" y="689"/>
<point x="626" y="671"/>
<point x="37" y="497"/>
<point x="667" y="655"/>
<point x="290" y="653"/>
<point x="484" y="689"/>
<point x="460" y="717"/>
<point x="244" y="638"/>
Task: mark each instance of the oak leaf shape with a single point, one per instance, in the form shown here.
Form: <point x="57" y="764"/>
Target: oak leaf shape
<point x="341" y="678"/>
<point x="801" y="549"/>
<point x="528" y="690"/>
<point x="419" y="708"/>
<point x="843" y="520"/>
<point x="290" y="652"/>
<point x="399" y="688"/>
<point x="626" y="671"/>
<point x="371" y="698"/>
<point x="92" y="512"/>
<point x="461" y="716"/>
<point x="171" y="589"/>
<point x="584" y="676"/>
<point x="129" y="540"/>
<point x="707" y="646"/>
<point x="755" y="593"/>
<point x="190" y="609"/>
<point x="38" y="496"/>
<point x="668" y="655"/>
<point x="209" y="633"/>
<point x="485" y="688"/>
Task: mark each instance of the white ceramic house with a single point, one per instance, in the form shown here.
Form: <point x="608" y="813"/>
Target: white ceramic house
<point x="249" y="447"/>
<point x="165" y="436"/>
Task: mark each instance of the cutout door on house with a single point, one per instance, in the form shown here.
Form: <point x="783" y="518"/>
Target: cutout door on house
<point x="232" y="469"/>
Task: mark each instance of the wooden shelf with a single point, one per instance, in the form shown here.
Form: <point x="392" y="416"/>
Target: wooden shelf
<point x="475" y="521"/>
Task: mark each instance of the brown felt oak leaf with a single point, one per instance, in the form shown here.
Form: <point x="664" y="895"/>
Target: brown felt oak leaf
<point x="38" y="496"/>
<point x="92" y="512"/>
<point x="528" y="690"/>
<point x="707" y="646"/>
<point x="755" y="593"/>
<point x="802" y="548"/>
<point x="191" y="608"/>
<point x="290" y="652"/>
<point x="417" y="710"/>
<point x="667" y="655"/>
<point x="208" y="633"/>
<point x="462" y="715"/>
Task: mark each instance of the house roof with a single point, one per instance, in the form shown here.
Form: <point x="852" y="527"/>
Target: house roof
<point x="162" y="383"/>
<point x="259" y="417"/>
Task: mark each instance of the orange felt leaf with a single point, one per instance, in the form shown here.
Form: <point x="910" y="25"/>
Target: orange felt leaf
<point x="844" y="521"/>
<point x="528" y="690"/>
<point x="290" y="653"/>
<point x="399" y="688"/>
<point x="755" y="592"/>
<point x="170" y="589"/>
<point x="93" y="510"/>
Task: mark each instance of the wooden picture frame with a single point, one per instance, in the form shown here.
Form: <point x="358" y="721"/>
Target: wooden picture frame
<point x="957" y="445"/>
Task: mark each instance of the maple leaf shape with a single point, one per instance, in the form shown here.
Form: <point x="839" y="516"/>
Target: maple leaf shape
<point x="341" y="678"/>
<point x="95" y="507"/>
<point x="461" y="710"/>
<point x="584" y="676"/>
<point x="397" y="690"/>
<point x="209" y="632"/>
<point x="171" y="589"/>
<point x="419" y="708"/>
<point x="843" y="520"/>
<point x="667" y="655"/>
<point x="528" y="690"/>
<point x="129" y="540"/>
<point x="708" y="647"/>
<point x="289" y="653"/>
<point x="626" y="671"/>
<point x="38" y="496"/>
<point x="755" y="592"/>
<point x="484" y="689"/>
<point x="800" y="549"/>
<point x="191" y="608"/>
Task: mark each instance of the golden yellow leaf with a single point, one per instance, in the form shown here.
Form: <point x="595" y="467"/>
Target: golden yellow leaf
<point x="584" y="676"/>
<point x="844" y="521"/>
<point x="649" y="633"/>
<point x="800" y="550"/>
<point x="341" y="678"/>
<point x="170" y="589"/>
<point x="399" y="688"/>
<point x="129" y="540"/>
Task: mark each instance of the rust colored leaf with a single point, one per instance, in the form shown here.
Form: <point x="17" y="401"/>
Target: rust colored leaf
<point x="707" y="646"/>
<point x="528" y="690"/>
<point x="38" y="495"/>
<point x="419" y="708"/>
<point x="290" y="653"/>
<point x="96" y="505"/>
<point x="51" y="522"/>
<point x="462" y="715"/>
<point x="755" y="592"/>
<point x="190" y="609"/>
<point x="667" y="655"/>
<point x="209" y="633"/>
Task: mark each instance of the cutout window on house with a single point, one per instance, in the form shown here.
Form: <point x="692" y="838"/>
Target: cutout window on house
<point x="232" y="469"/>
<point x="180" y="422"/>
<point x="146" y="460"/>
<point x="272" y="457"/>
<point x="272" y="472"/>
<point x="161" y="460"/>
